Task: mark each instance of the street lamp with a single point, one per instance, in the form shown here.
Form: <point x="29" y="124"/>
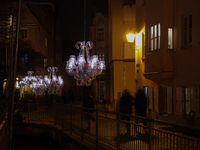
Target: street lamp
<point x="130" y="37"/>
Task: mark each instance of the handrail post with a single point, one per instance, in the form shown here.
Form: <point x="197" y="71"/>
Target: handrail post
<point x="70" y="118"/>
<point x="81" y="123"/>
<point x="55" y="112"/>
<point x="97" y="131"/>
<point x="174" y="131"/>
<point x="149" y="128"/>
<point x="62" y="116"/>
<point x="28" y="110"/>
<point x="118" y="133"/>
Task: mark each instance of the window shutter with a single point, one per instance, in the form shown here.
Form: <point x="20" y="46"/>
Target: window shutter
<point x="178" y="101"/>
<point x="169" y="100"/>
<point x="195" y="100"/>
<point x="150" y="98"/>
<point x="156" y="106"/>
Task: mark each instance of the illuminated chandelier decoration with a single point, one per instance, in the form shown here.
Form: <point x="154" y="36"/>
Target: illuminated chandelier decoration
<point x="38" y="87"/>
<point x="85" y="68"/>
<point x="53" y="82"/>
<point x="27" y="80"/>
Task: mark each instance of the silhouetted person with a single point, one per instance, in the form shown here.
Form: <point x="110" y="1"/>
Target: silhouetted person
<point x="88" y="102"/>
<point x="64" y="96"/>
<point x="125" y="107"/>
<point x="18" y="117"/>
<point x="70" y="95"/>
<point x="140" y="105"/>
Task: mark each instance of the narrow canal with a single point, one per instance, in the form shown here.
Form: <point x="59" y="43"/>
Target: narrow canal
<point x="26" y="142"/>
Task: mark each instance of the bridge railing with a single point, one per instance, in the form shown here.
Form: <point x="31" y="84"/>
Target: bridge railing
<point x="107" y="128"/>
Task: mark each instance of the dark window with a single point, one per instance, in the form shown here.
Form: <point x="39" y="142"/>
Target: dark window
<point x="23" y="33"/>
<point x="101" y="34"/>
<point x="187" y="30"/>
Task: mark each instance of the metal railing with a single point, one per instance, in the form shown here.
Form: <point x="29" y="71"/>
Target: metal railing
<point x="108" y="130"/>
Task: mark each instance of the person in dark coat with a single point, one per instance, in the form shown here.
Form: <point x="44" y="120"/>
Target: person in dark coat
<point x="64" y="96"/>
<point x="140" y="105"/>
<point x="70" y="94"/>
<point x="125" y="107"/>
<point x="88" y="102"/>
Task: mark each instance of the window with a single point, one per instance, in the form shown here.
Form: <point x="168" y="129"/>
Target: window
<point x="187" y="30"/>
<point x="101" y="34"/>
<point x="45" y="63"/>
<point x="170" y="38"/>
<point x="163" y="100"/>
<point x="23" y="33"/>
<point x="24" y="58"/>
<point x="184" y="100"/>
<point x="45" y="43"/>
<point x="101" y="91"/>
<point x="155" y="37"/>
<point x="188" y="100"/>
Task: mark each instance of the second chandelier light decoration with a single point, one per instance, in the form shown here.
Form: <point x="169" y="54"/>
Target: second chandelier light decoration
<point x="52" y="83"/>
<point x="85" y="68"/>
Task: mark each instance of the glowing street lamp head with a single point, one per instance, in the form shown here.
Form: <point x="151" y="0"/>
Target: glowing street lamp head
<point x="130" y="37"/>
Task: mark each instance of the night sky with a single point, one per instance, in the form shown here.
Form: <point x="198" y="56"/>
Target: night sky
<point x="72" y="21"/>
<point x="72" y="17"/>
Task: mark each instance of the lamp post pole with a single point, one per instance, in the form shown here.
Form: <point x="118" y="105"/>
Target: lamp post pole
<point x="14" y="77"/>
<point x="14" y="66"/>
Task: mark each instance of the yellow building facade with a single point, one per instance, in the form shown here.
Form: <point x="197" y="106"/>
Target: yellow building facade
<point x="163" y="58"/>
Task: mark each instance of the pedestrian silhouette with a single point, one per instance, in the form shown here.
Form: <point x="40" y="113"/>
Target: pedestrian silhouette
<point x="70" y="95"/>
<point x="125" y="107"/>
<point x="140" y="105"/>
<point x="64" y="96"/>
<point x="88" y="104"/>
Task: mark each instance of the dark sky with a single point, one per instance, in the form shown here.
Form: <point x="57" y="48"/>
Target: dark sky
<point x="72" y="21"/>
<point x="72" y="18"/>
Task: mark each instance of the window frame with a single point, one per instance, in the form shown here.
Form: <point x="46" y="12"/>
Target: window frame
<point x="186" y="30"/>
<point x="170" y="39"/>
<point x="154" y="38"/>
<point x="185" y="102"/>
<point x="24" y="33"/>
<point x="101" y="34"/>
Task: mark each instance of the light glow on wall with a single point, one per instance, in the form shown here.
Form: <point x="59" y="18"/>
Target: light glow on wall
<point x="138" y="40"/>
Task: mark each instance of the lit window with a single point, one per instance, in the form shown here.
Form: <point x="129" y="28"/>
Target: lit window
<point x="45" y="63"/>
<point x="170" y="38"/>
<point x="184" y="100"/>
<point x="10" y="20"/>
<point x="23" y="33"/>
<point x="101" y="34"/>
<point x="188" y="99"/>
<point x="187" y="29"/>
<point x="155" y="37"/>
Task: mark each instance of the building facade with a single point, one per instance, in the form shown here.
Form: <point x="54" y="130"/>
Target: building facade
<point x="163" y="57"/>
